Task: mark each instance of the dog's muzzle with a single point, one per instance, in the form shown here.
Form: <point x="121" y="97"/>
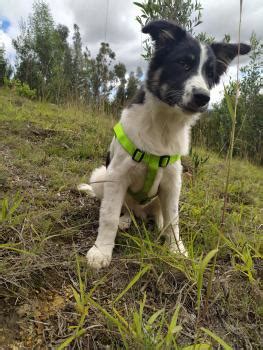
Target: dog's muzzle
<point x="199" y="101"/>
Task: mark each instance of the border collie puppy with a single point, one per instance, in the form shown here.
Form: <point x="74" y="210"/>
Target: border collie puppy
<point x="181" y="74"/>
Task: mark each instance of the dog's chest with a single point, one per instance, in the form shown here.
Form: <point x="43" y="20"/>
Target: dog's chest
<point x="138" y="175"/>
<point x="157" y="129"/>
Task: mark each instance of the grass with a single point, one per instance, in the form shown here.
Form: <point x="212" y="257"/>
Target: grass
<point x="148" y="298"/>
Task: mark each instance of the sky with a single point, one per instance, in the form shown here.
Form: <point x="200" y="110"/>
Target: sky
<point x="114" y="21"/>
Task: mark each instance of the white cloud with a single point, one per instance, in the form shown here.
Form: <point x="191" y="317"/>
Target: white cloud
<point x="221" y="17"/>
<point x="217" y="92"/>
<point x="6" y="42"/>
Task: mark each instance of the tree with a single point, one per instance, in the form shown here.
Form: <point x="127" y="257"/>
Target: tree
<point x="77" y="63"/>
<point x="42" y="53"/>
<point x="101" y="73"/>
<point x="187" y="13"/>
<point x="34" y="48"/>
<point x="250" y="104"/>
<point x="27" y="64"/>
<point x="60" y="84"/>
<point x="66" y="70"/>
<point x="133" y="83"/>
<point x="120" y="71"/>
<point x="5" y="67"/>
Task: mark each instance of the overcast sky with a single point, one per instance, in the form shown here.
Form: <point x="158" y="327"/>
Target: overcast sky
<point x="121" y="30"/>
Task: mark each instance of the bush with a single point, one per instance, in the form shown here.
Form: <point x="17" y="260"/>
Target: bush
<point x="25" y="91"/>
<point x="22" y="89"/>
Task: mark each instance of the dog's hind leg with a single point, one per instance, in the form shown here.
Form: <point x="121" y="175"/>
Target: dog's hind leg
<point x="153" y="209"/>
<point x="125" y="220"/>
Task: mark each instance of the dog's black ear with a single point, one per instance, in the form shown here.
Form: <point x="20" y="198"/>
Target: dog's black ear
<point x="164" y="32"/>
<point x="225" y="53"/>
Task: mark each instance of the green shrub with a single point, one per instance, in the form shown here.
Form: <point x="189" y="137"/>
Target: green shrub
<point x="22" y="89"/>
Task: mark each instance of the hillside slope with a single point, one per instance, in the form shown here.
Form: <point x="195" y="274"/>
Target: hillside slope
<point x="47" y="227"/>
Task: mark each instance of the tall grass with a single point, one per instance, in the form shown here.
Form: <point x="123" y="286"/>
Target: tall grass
<point x="139" y="329"/>
<point x="232" y="109"/>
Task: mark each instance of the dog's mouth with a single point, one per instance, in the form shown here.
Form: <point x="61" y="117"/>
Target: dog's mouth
<point x="192" y="108"/>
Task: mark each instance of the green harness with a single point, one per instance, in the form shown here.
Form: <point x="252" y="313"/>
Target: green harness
<point x="152" y="161"/>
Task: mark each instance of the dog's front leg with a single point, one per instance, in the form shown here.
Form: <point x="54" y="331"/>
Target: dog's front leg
<point x="169" y="197"/>
<point x="100" y="254"/>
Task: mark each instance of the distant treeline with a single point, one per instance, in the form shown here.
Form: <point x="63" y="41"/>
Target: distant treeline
<point x="59" y="72"/>
<point x="213" y="129"/>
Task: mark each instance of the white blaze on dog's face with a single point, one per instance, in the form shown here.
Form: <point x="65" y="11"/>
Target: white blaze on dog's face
<point x="182" y="71"/>
<point x="196" y="88"/>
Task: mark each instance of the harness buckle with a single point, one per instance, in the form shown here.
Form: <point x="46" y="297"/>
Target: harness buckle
<point x="138" y="155"/>
<point x="164" y="161"/>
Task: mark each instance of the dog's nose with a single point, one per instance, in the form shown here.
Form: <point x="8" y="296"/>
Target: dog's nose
<point x="201" y="99"/>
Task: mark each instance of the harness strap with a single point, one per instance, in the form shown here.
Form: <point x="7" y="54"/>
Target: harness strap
<point x="151" y="160"/>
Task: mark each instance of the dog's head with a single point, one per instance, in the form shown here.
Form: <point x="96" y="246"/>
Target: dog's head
<point x="182" y="71"/>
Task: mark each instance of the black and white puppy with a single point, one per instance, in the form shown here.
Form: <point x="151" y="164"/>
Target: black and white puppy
<point x="181" y="74"/>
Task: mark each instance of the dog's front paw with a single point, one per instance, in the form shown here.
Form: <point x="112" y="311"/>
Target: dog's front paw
<point x="178" y="247"/>
<point x="98" y="259"/>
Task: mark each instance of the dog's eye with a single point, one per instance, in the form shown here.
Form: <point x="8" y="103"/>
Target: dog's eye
<point x="185" y="65"/>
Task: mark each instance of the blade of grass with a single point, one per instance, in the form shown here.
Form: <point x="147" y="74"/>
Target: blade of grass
<point x="198" y="347"/>
<point x="173" y="327"/>
<point x="200" y="275"/>
<point x="217" y="339"/>
<point x="112" y="319"/>
<point x="70" y="339"/>
<point x="132" y="282"/>
<point x="10" y="247"/>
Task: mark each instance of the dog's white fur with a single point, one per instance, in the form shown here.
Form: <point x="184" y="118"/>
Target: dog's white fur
<point x="156" y="128"/>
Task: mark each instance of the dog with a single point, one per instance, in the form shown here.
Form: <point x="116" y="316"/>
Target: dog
<point x="181" y="73"/>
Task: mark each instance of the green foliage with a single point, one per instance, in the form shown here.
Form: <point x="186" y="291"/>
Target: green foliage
<point x="186" y="13"/>
<point x="35" y="47"/>
<point x="120" y="72"/>
<point x="9" y="207"/>
<point x="242" y="258"/>
<point x="62" y="73"/>
<point x="198" y="160"/>
<point x="205" y="38"/>
<point x="101" y="73"/>
<point x="22" y="89"/>
<point x="5" y="67"/>
<point x="217" y="338"/>
<point x="127" y="88"/>
<point x="200" y="275"/>
<point x="145" y="331"/>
